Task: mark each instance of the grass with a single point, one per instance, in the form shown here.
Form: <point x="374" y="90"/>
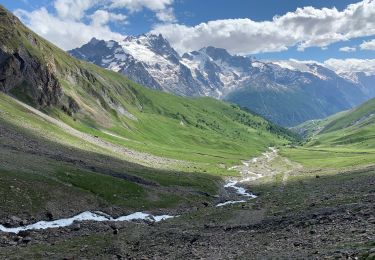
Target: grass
<point x="113" y="190"/>
<point x="80" y="173"/>
<point x="328" y="157"/>
<point x="346" y="140"/>
<point x="196" y="130"/>
<point x="199" y="130"/>
<point x="353" y="116"/>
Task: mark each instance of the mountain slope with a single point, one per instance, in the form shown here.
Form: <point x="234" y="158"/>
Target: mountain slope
<point x="101" y="142"/>
<point x="346" y="139"/>
<point x="93" y="99"/>
<point x="354" y="129"/>
<point x="313" y="127"/>
<point x="286" y="92"/>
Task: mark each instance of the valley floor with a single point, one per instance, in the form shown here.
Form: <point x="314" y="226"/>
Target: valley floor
<point x="299" y="213"/>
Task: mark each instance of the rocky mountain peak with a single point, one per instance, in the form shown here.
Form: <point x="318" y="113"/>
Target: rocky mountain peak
<point x="150" y="60"/>
<point x="216" y="53"/>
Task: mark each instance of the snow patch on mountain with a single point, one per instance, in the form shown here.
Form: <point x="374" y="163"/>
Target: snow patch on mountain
<point x="302" y="66"/>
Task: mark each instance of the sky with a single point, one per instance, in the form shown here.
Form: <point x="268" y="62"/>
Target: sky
<point x="336" y="32"/>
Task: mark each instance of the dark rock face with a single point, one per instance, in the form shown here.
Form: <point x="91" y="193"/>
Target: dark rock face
<point x="19" y="70"/>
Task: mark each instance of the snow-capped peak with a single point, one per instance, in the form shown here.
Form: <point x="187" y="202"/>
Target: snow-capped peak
<point x="302" y="66"/>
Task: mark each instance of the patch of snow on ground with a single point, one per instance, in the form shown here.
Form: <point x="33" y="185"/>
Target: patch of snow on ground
<point x="85" y="216"/>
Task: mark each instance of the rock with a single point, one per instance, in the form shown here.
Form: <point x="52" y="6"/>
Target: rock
<point x="26" y="240"/>
<point x="49" y="215"/>
<point x="24" y="233"/>
<point x="12" y="243"/>
<point x="46" y="90"/>
<point x="76" y="227"/>
<point x="150" y="220"/>
<point x="113" y="226"/>
<point x="15" y="219"/>
<point x="205" y="203"/>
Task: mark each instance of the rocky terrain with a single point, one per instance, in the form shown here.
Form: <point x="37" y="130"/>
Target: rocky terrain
<point x="335" y="220"/>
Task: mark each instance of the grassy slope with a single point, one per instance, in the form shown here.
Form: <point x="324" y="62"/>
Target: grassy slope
<point x="346" y="140"/>
<point x="209" y="134"/>
<point x="37" y="157"/>
<point x="199" y="130"/>
<point x="313" y="127"/>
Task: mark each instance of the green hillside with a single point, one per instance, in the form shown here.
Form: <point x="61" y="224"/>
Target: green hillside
<point x="92" y="134"/>
<point x="313" y="127"/>
<point x="108" y="105"/>
<point x="345" y="139"/>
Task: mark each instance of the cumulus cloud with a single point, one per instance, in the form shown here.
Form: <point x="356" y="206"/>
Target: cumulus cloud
<point x="138" y="5"/>
<point x="305" y="27"/>
<point x="352" y="65"/>
<point x="368" y="45"/>
<point x="102" y="17"/>
<point x="162" y="8"/>
<point x="66" y="33"/>
<point x="348" y="49"/>
<point x="72" y="23"/>
<point x="166" y="15"/>
<point x="73" y="9"/>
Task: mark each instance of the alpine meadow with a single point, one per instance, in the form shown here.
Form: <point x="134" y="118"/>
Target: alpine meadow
<point x="186" y="130"/>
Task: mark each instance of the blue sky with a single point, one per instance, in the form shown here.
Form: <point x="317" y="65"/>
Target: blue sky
<point x="182" y="22"/>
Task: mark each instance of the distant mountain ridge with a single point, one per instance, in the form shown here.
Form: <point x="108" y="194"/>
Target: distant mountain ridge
<point x="286" y="92"/>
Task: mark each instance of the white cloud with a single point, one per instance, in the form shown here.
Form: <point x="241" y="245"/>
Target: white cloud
<point x="74" y="22"/>
<point x="65" y="33"/>
<point x="305" y="27"/>
<point x="352" y="65"/>
<point x="102" y="17"/>
<point x="368" y="45"/>
<point x="73" y="9"/>
<point x="166" y="15"/>
<point x="348" y="49"/>
<point x="138" y="5"/>
<point x="162" y="8"/>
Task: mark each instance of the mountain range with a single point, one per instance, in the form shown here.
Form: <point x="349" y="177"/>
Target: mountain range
<point x="96" y="166"/>
<point x="285" y="92"/>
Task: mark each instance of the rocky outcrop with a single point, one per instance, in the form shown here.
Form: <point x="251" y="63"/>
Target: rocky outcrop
<point x="20" y="70"/>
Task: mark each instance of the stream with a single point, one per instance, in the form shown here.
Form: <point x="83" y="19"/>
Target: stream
<point x="98" y="216"/>
<point x="247" y="176"/>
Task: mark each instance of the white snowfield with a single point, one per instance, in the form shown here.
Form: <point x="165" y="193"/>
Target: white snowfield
<point x="85" y="216"/>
